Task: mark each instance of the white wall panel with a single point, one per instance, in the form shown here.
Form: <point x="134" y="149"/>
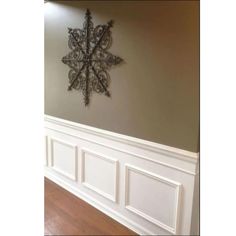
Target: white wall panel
<point x="153" y="197"/>
<point x="99" y="173"/>
<point x="63" y="158"/>
<point x="46" y="151"/>
<point x="146" y="186"/>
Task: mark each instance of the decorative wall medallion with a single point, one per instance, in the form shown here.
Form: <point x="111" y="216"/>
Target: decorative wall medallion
<point x="89" y="58"/>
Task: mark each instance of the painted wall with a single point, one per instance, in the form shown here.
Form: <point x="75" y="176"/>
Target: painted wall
<point x="155" y="93"/>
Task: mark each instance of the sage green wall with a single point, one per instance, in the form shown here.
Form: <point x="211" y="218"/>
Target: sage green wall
<point x="155" y="93"/>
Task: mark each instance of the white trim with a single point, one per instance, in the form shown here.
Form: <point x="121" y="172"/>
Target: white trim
<point x="176" y="185"/>
<point x="46" y="150"/>
<point x="98" y="205"/>
<point x="74" y="176"/>
<point x="166" y="165"/>
<point x="125" y="151"/>
<point x="105" y="158"/>
<point x="144" y="144"/>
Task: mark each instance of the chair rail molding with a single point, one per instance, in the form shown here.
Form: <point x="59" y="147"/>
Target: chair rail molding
<point x="148" y="187"/>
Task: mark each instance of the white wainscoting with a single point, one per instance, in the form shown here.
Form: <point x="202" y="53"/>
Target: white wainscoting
<point x="146" y="186"/>
<point x="162" y="195"/>
<point x="46" y="151"/>
<point x="99" y="173"/>
<point x="64" y="158"/>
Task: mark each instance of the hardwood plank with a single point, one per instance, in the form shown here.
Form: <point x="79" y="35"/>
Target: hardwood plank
<point x="66" y="214"/>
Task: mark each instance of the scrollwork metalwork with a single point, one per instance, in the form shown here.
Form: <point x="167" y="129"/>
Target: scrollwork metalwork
<point x="89" y="59"/>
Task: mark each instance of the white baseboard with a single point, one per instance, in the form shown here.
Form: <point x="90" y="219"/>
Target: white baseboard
<point x="146" y="186"/>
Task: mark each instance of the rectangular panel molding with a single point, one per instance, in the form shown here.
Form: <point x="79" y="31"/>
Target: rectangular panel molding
<point x="148" y="187"/>
<point x="46" y="151"/>
<point x="64" y="158"/>
<point x="99" y="173"/>
<point x="153" y="191"/>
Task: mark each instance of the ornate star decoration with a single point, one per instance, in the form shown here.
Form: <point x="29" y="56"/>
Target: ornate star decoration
<point x="89" y="59"/>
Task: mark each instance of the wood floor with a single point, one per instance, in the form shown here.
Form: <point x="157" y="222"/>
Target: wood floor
<point x="65" y="214"/>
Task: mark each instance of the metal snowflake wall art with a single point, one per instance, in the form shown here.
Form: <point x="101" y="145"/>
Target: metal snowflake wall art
<point x="89" y="58"/>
